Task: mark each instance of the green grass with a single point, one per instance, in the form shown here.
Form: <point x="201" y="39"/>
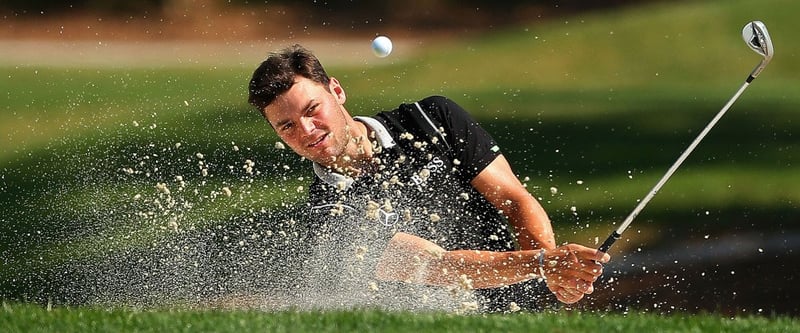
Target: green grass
<point x="17" y="318"/>
<point x="607" y="98"/>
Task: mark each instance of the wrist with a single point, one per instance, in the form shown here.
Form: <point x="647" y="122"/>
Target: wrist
<point x="541" y="263"/>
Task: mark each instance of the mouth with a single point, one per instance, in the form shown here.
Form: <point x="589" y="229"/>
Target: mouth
<point x="318" y="141"/>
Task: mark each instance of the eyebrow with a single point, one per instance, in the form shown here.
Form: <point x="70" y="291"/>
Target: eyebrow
<point x="281" y="123"/>
<point x="306" y="107"/>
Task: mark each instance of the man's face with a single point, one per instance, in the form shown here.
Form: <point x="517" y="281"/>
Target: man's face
<point x="312" y="120"/>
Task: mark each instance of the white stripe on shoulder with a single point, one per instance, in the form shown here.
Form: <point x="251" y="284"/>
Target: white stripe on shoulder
<point x="430" y="122"/>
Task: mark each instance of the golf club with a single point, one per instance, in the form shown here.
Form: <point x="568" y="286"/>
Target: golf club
<point x="757" y="38"/>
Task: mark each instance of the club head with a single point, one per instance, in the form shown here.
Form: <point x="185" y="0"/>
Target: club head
<point x="757" y="38"/>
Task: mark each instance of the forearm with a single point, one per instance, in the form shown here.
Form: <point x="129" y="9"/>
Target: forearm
<point x="530" y="222"/>
<point x="498" y="184"/>
<point x="412" y="259"/>
<point x="482" y="269"/>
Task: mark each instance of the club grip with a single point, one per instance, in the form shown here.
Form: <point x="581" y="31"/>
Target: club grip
<point x="609" y="241"/>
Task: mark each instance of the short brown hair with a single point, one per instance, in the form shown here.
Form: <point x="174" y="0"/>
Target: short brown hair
<point x="277" y="73"/>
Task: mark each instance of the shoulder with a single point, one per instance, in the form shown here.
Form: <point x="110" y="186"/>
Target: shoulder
<point x="439" y="109"/>
<point x="436" y="101"/>
<point x="442" y="108"/>
<point x="437" y="112"/>
<point x="439" y="104"/>
<point x="428" y="104"/>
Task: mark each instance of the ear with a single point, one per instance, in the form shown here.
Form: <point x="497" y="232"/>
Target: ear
<point x="336" y="89"/>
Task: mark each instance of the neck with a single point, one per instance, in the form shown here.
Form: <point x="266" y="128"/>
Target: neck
<point x="357" y="157"/>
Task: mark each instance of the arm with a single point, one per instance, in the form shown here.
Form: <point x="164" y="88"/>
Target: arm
<point x="489" y="172"/>
<point x="500" y="186"/>
<point x="413" y="259"/>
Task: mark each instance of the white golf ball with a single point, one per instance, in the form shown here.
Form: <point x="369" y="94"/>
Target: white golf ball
<point x="382" y="46"/>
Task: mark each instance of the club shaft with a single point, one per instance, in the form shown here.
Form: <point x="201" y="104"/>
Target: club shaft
<point x="618" y="233"/>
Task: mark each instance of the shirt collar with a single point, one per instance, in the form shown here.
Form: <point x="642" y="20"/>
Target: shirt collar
<point x="334" y="178"/>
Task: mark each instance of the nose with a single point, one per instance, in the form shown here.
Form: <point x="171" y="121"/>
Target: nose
<point x="307" y="124"/>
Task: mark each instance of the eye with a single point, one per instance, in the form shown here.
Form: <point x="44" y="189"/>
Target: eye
<point x="286" y="127"/>
<point x="312" y="109"/>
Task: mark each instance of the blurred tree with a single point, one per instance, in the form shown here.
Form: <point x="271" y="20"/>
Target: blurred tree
<point x="337" y="12"/>
<point x="430" y="13"/>
<point x="55" y="6"/>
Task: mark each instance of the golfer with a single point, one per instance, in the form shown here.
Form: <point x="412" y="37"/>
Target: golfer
<point x="430" y="180"/>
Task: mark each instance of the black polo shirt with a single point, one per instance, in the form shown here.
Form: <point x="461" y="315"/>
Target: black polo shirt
<point x="428" y="154"/>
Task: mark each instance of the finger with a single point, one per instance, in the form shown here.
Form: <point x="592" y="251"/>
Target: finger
<point x="571" y="292"/>
<point x="568" y="296"/>
<point x="571" y="284"/>
<point x="602" y="257"/>
<point x="561" y="295"/>
<point x="577" y="295"/>
<point x="591" y="267"/>
<point x="587" y="271"/>
<point x="586" y="288"/>
<point x="572" y="275"/>
<point x="588" y="253"/>
<point x="579" y="281"/>
<point x="580" y="286"/>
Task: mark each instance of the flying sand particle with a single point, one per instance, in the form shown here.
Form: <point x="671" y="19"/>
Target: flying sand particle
<point x="469" y="306"/>
<point x="173" y="224"/>
<point x="372" y="286"/>
<point x="360" y="252"/>
<point x="424" y="174"/>
<point x="161" y="187"/>
<point x="465" y="282"/>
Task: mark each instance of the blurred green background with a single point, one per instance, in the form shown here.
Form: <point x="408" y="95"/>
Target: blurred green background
<point x="594" y="103"/>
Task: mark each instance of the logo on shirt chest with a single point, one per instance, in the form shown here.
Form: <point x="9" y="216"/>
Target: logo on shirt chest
<point x="383" y="215"/>
<point x="387" y="218"/>
<point x="435" y="166"/>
